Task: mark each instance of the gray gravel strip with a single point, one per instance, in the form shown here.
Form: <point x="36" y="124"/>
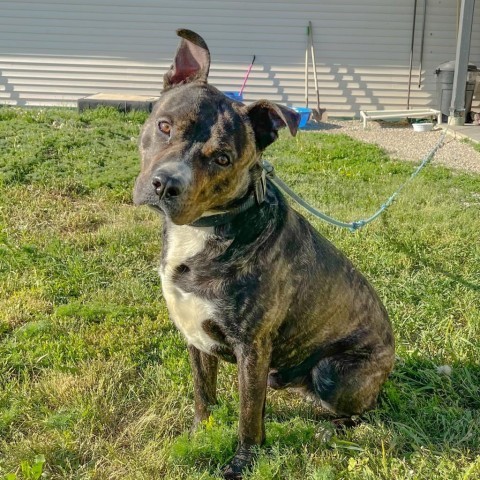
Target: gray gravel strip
<point x="403" y="143"/>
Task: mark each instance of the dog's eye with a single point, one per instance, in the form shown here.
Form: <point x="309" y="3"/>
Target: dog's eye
<point x="165" y="127"/>
<point x="222" y="160"/>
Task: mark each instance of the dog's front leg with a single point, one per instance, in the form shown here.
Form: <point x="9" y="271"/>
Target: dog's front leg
<point x="204" y="368"/>
<point x="253" y="365"/>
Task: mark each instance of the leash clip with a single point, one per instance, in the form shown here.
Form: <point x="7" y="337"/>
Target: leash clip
<point x="261" y="188"/>
<point x="268" y="168"/>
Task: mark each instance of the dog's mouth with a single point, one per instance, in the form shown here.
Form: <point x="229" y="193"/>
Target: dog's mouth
<point x="156" y="208"/>
<point x="146" y="196"/>
<point x="166" y="206"/>
<point x="176" y="211"/>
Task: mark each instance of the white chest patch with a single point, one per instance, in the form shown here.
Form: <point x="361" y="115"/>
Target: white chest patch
<point x="187" y="310"/>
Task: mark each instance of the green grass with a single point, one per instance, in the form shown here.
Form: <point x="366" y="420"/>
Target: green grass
<point x="472" y="143"/>
<point x="94" y="379"/>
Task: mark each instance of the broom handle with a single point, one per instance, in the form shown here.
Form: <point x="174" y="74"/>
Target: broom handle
<point x="306" y="66"/>
<point x="246" y="76"/>
<point x="310" y="31"/>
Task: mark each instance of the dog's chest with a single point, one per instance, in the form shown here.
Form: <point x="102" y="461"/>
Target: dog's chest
<point x="187" y="310"/>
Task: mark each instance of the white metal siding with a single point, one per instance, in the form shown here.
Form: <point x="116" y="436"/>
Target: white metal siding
<point x="53" y="52"/>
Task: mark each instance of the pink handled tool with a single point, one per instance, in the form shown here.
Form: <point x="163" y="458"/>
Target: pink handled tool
<point x="246" y="76"/>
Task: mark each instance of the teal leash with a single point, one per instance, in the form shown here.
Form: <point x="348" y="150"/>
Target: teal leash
<point x="357" y="225"/>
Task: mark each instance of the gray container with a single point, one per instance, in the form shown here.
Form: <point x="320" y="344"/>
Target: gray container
<point x="445" y="73"/>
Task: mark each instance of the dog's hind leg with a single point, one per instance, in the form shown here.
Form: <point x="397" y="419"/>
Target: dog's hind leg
<point x="349" y="383"/>
<point x="278" y="380"/>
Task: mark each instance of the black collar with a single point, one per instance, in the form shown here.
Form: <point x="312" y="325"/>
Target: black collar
<point x="256" y="197"/>
<point x="225" y="217"/>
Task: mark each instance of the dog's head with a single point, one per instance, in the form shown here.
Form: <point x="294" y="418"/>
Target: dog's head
<point x="198" y="147"/>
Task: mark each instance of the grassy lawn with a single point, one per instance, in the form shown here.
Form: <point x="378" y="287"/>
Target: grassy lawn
<point x="94" y="379"/>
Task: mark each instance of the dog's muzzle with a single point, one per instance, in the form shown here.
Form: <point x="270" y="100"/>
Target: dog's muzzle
<point x="163" y="186"/>
<point x="167" y="187"/>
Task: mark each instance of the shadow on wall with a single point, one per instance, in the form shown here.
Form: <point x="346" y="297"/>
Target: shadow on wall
<point x="9" y="88"/>
<point x="275" y="82"/>
<point x="356" y="103"/>
<point x="341" y="88"/>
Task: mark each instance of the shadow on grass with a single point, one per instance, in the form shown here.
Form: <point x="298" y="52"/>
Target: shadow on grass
<point x="425" y="406"/>
<point x="426" y="261"/>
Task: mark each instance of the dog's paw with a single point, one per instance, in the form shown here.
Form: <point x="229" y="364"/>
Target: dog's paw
<point x="230" y="473"/>
<point x="199" y="421"/>
<point x="242" y="460"/>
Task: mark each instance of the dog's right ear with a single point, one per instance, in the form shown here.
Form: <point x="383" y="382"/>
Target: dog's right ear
<point x="191" y="62"/>
<point x="267" y="118"/>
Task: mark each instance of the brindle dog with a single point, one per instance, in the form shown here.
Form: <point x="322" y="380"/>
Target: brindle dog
<point x="245" y="277"/>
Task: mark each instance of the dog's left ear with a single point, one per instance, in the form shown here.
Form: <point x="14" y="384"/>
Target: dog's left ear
<point x="267" y="118"/>
<point x="191" y="62"/>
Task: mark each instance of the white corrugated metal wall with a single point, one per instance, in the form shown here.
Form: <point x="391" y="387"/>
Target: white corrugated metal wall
<point x="54" y="51"/>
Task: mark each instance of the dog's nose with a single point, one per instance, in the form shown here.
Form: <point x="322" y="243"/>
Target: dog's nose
<point x="166" y="187"/>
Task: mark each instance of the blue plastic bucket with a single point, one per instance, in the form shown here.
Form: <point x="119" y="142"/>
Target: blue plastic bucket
<point x="234" y="96"/>
<point x="304" y="115"/>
